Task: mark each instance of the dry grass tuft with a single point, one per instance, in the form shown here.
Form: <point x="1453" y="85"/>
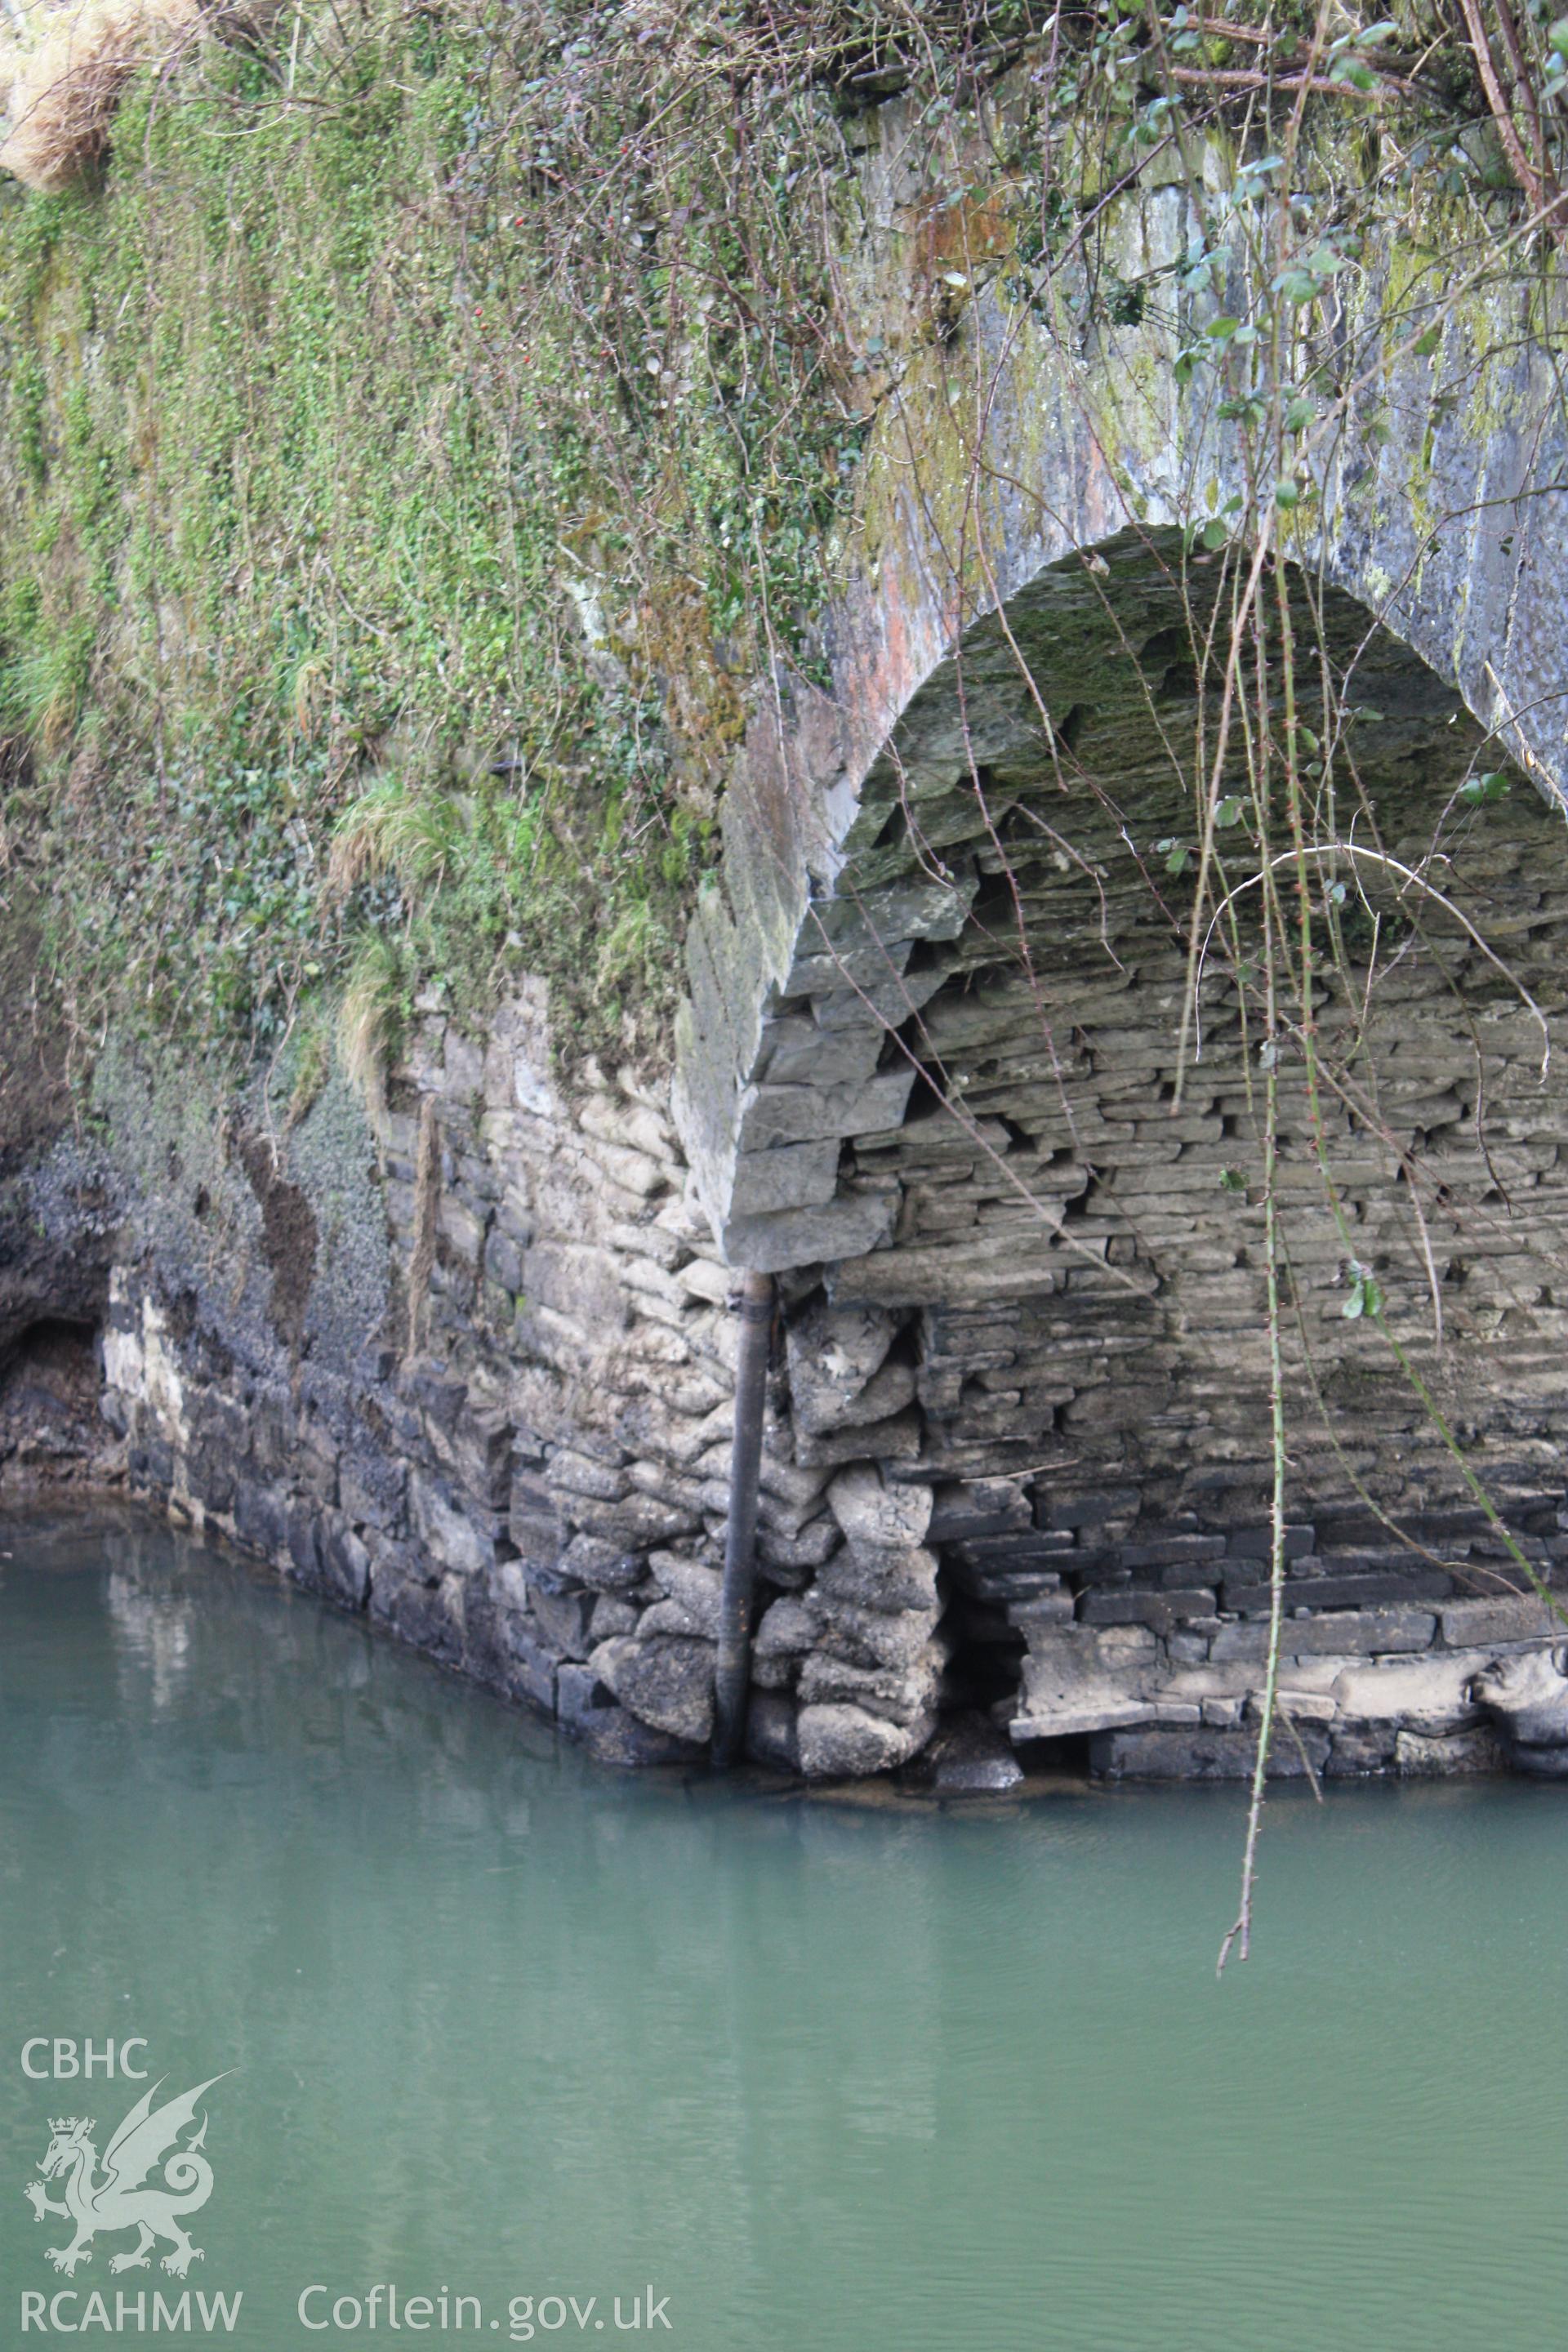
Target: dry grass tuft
<point x="66" y="81"/>
<point x="367" y="1020"/>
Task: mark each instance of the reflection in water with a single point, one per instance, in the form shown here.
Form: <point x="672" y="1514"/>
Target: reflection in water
<point x="155" y="1634"/>
<point x="828" y="2076"/>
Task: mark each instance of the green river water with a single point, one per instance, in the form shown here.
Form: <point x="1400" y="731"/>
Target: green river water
<point x="781" y="2074"/>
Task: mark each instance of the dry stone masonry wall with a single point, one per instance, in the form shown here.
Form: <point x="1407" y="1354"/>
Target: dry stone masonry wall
<point x="1059" y="1320"/>
<point x="472" y="1372"/>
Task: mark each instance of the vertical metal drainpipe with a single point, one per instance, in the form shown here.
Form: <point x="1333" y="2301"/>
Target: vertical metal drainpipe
<point x="755" y="1305"/>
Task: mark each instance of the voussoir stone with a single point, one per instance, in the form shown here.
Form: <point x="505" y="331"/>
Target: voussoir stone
<point x="849" y="1224"/>
<point x="787" y="1176"/>
<point x="906" y="910"/>
<point x="802" y="1114"/>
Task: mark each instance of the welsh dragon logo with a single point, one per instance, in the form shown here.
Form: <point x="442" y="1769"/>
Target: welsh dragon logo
<point x="117" y="2200"/>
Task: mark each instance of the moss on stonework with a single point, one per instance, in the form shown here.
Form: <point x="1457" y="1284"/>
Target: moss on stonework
<point x="432" y="432"/>
<point x="322" y="475"/>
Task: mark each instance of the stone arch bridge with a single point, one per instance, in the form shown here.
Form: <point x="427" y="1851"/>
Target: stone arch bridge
<point x="936" y="1074"/>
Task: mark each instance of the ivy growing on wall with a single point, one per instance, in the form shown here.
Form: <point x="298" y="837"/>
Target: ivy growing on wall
<point x="408" y="438"/>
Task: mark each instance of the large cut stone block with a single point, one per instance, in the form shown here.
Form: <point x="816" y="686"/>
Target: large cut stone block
<point x="888" y="1006"/>
<point x="908" y="911"/>
<point x="902" y="1694"/>
<point x="1363" y="1593"/>
<point x="790" y="1176"/>
<point x="588" y="1710"/>
<point x="667" y="1684"/>
<point x="1017" y="1262"/>
<point x="875" y="1512"/>
<point x="772" y="1115"/>
<point x="798" y="1052"/>
<point x="873" y="1638"/>
<point x="1425" y="1756"/>
<point x="847" y="1227"/>
<point x="1079" y="1678"/>
<point x="1358" y="1631"/>
<point x="892" y="1579"/>
<point x="1510" y="1617"/>
<point x="862" y="967"/>
<point x="832" y="1356"/>
<point x="1202" y="1755"/>
<point x="456" y="1538"/>
<point x="1529" y="1695"/>
<point x="1430" y="1693"/>
<point x="841" y="1742"/>
<point x="897" y="1439"/>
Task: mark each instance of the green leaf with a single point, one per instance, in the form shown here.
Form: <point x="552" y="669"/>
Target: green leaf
<point x="1214" y="535"/>
<point x="1481" y="790"/>
<point x="1287" y="493"/>
<point x="1176" y="863"/>
<point x="1229" y="810"/>
<point x="1220" y="330"/>
<point x="1428" y="343"/>
<point x="1231" y="1180"/>
<point x="1366" y="1296"/>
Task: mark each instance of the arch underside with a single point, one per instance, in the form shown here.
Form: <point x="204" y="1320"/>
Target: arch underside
<point x="1017" y="1216"/>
